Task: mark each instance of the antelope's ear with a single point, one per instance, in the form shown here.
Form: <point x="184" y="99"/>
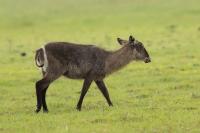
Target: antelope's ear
<point x="121" y="41"/>
<point x="131" y="39"/>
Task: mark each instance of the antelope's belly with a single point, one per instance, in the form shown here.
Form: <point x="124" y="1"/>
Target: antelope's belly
<point x="75" y="72"/>
<point x="74" y="75"/>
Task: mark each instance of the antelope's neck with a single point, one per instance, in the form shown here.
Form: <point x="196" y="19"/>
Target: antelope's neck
<point x="118" y="59"/>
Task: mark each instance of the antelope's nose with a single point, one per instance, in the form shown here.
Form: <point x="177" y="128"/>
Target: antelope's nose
<point x="147" y="60"/>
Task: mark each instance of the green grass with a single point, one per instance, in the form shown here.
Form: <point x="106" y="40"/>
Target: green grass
<point x="163" y="96"/>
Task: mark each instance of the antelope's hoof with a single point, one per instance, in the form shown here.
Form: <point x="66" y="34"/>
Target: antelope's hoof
<point x="111" y="105"/>
<point x="78" y="108"/>
<point x="37" y="110"/>
<point x="45" y="110"/>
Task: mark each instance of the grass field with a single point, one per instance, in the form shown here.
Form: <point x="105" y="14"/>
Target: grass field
<point x="163" y="96"/>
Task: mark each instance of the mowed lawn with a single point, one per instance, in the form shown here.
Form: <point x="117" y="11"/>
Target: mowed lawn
<point x="163" y="96"/>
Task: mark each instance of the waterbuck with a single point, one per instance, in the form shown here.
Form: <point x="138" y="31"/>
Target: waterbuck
<point x="86" y="62"/>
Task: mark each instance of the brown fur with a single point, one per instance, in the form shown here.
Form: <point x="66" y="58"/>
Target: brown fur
<point x="86" y="62"/>
<point x="118" y="59"/>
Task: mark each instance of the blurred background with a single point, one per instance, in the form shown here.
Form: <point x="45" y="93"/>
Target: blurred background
<point x="162" y="96"/>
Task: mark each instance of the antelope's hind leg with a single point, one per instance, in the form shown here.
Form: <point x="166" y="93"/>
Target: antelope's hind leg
<point x="45" y="109"/>
<point x="41" y="88"/>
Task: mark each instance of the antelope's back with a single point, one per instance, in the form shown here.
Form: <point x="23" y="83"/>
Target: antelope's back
<point x="77" y="59"/>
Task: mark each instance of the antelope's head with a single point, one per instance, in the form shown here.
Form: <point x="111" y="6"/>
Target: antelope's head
<point x="138" y="50"/>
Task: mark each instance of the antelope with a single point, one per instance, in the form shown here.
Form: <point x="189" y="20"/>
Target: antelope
<point x="87" y="62"/>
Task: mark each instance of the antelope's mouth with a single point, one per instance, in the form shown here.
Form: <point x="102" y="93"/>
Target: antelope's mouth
<point x="147" y="60"/>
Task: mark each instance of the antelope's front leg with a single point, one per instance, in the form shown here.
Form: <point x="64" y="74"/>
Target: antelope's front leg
<point x="86" y="85"/>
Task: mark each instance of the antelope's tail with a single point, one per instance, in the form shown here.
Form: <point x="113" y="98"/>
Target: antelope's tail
<point x="39" y="58"/>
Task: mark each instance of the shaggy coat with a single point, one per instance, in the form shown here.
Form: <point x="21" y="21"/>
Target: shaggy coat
<point x="86" y="62"/>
